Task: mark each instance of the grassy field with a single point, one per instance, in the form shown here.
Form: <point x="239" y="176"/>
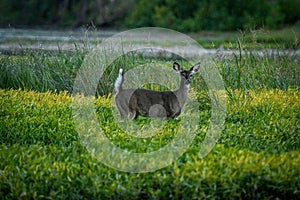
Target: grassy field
<point x="257" y="156"/>
<point x="285" y="38"/>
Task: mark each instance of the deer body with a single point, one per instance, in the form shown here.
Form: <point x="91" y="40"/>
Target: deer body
<point x="169" y="104"/>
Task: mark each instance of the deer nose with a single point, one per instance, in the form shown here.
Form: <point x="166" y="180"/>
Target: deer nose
<point x="188" y="81"/>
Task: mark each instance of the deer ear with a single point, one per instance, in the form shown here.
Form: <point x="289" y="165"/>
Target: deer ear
<point x="176" y="67"/>
<point x="195" y="68"/>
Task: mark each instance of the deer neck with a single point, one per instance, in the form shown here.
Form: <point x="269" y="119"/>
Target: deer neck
<point x="182" y="91"/>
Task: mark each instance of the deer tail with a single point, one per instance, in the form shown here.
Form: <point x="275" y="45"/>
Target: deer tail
<point x="119" y="81"/>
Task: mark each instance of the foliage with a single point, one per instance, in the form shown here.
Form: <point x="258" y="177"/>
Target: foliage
<point x="70" y="13"/>
<point x="257" y="156"/>
<point x="247" y="70"/>
<point x="44" y="71"/>
<point x="182" y="15"/>
<point x="214" y="15"/>
<point x="40" y="71"/>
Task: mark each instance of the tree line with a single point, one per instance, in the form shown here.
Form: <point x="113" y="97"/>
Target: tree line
<point x="181" y="15"/>
<point x="63" y="13"/>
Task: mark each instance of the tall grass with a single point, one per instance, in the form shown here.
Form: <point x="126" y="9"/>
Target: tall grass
<point x="270" y="69"/>
<point x="245" y="69"/>
<point x="40" y="71"/>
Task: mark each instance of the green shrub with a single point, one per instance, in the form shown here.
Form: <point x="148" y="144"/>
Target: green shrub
<point x="214" y="15"/>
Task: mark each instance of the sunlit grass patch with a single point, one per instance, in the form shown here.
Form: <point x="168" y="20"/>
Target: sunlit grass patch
<point x="257" y="155"/>
<point x="267" y="120"/>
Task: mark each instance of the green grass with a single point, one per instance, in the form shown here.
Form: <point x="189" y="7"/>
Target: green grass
<point x="40" y="71"/>
<point x="285" y="38"/>
<point x="44" y="71"/>
<point x="256" y="157"/>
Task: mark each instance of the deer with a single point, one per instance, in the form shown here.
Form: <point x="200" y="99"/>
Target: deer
<point x="149" y="103"/>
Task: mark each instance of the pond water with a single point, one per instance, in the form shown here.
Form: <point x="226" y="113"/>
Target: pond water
<point x="14" y="40"/>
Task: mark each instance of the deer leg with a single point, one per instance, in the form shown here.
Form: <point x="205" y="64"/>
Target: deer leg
<point x="132" y="115"/>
